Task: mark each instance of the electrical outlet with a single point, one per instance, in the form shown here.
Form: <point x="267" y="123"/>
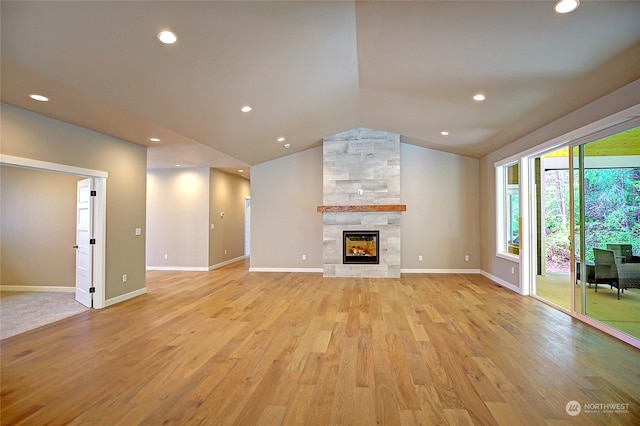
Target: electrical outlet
<point x="420" y="258"/>
<point x="225" y="252"/>
<point x="304" y="257"/>
<point x="124" y="278"/>
<point x="466" y="257"/>
<point x="166" y="256"/>
<point x="513" y="270"/>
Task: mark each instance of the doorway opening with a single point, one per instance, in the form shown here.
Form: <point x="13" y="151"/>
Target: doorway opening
<point x="98" y="217"/>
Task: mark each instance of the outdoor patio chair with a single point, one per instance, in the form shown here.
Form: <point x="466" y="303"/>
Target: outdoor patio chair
<point x="624" y="252"/>
<point x="606" y="268"/>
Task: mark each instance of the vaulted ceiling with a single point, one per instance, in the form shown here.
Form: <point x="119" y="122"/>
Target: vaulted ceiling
<point x="312" y="68"/>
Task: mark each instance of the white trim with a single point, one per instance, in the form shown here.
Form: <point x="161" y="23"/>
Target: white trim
<point x="440" y="271"/>
<point x="502" y="282"/>
<point x="508" y="256"/>
<point x="39" y="288"/>
<point x="122" y="298"/>
<point x="99" y="211"/>
<point x="178" y="268"/>
<point x="527" y="231"/>
<point x="500" y="181"/>
<point x="100" y="234"/>
<point x="402" y="271"/>
<point x="227" y="262"/>
<point x="196" y="268"/>
<point x="29" y="163"/>
<point x="286" y="270"/>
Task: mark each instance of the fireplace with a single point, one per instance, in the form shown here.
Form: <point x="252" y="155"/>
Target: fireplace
<point x="360" y="247"/>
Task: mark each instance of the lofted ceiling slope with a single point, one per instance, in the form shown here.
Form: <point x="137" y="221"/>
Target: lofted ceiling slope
<point x="312" y="68"/>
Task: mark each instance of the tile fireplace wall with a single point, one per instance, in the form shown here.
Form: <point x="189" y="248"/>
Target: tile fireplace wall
<point x="361" y="167"/>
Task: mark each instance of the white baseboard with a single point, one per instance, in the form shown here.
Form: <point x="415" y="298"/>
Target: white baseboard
<point x="178" y="268"/>
<point x="285" y="270"/>
<point x="439" y="271"/>
<point x="196" y="268"/>
<point x="226" y="262"/>
<point x="124" y="297"/>
<point x="53" y="289"/>
<point x="502" y="282"/>
<point x="403" y="271"/>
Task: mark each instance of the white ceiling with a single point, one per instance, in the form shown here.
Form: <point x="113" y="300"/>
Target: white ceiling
<point x="311" y="69"/>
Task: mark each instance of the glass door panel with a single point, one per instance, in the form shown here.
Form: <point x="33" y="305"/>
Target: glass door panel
<point x="553" y="271"/>
<point x="611" y="192"/>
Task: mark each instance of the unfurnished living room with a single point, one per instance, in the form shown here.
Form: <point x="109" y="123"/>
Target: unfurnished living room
<point x="320" y="212"/>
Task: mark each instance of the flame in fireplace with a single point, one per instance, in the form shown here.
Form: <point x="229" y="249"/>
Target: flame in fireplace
<point x="359" y="251"/>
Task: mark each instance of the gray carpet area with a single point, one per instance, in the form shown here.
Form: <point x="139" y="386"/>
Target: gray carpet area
<point x="23" y="311"/>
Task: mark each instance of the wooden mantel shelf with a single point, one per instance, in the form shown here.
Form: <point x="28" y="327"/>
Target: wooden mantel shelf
<point x="363" y="208"/>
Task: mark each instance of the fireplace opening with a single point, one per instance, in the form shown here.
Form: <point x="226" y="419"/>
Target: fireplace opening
<point x="360" y="247"/>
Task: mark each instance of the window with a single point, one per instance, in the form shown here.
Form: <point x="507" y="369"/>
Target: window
<point x="508" y="209"/>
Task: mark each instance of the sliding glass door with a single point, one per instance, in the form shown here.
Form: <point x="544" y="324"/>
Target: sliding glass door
<point x="611" y="192"/>
<point x="587" y="253"/>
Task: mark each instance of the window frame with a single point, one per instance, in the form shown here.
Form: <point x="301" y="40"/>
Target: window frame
<point x="504" y="192"/>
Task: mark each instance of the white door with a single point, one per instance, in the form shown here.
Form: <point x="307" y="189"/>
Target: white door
<point x="247" y="226"/>
<point x="84" y="248"/>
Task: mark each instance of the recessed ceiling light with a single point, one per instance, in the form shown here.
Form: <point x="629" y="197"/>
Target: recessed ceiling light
<point x="479" y="97"/>
<point x="287" y="145"/>
<point x="167" y="37"/>
<point x="177" y="165"/>
<point x="566" y="6"/>
<point x="240" y="171"/>
<point x="39" y="98"/>
<point x="154" y="139"/>
<point x="246" y="108"/>
<point x="280" y="139"/>
<point x="444" y="133"/>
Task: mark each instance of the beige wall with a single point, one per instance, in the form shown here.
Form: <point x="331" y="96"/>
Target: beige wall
<point x="38" y="216"/>
<point x="182" y="204"/>
<point x="442" y="194"/>
<point x="500" y="268"/>
<point x="227" y="194"/>
<point x="441" y="222"/>
<point x="33" y="136"/>
<point x="284" y="223"/>
<point x="177" y="218"/>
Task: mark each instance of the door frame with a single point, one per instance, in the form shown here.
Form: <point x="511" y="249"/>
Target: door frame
<point x="99" y="212"/>
<point x="614" y="123"/>
<point x="247" y="225"/>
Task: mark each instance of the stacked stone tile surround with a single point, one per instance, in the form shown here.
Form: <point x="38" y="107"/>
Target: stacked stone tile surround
<point x="367" y="160"/>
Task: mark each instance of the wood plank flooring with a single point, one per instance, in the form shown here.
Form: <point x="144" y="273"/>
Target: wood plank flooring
<point x="233" y="347"/>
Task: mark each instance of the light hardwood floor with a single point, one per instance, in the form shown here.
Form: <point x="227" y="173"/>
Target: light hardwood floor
<point x="234" y="347"/>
